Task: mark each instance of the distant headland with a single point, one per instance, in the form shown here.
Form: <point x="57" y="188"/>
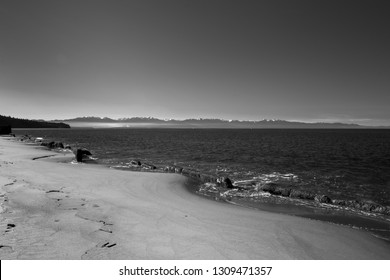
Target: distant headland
<point x="6" y="121"/>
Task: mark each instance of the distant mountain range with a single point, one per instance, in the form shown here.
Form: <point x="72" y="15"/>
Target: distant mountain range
<point x="25" y="123"/>
<point x="200" y="123"/>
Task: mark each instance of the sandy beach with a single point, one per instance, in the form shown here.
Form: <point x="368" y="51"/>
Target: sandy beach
<point x="55" y="210"/>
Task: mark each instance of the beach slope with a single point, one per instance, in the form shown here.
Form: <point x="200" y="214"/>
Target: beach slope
<point x="54" y="210"/>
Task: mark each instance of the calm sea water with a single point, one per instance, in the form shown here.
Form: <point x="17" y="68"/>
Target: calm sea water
<point x="343" y="164"/>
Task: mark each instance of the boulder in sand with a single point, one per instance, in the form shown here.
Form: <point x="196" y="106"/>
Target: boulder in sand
<point x="81" y="153"/>
<point x="225" y="182"/>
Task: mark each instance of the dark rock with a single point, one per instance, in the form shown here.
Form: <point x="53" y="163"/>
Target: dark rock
<point x="363" y="205"/>
<point x="46" y="144"/>
<point x="59" y="145"/>
<point x="368" y="206"/>
<point x="322" y="199"/>
<point x="228" y="183"/>
<point x="68" y="147"/>
<point x="270" y="188"/>
<point x="225" y="182"/>
<point x="170" y="169"/>
<point x="277" y="191"/>
<point x="205" y="178"/>
<point x="80" y="153"/>
<point x="353" y="204"/>
<point x="274" y="189"/>
<point x="185" y="172"/>
<point x="178" y="169"/>
<point x="52" y="145"/>
<point x="379" y="209"/>
<point x="194" y="174"/>
<point x="285" y="192"/>
<point x="86" y="152"/>
<point x="301" y="194"/>
<point x="190" y="173"/>
<point x="135" y="163"/>
<point x="148" y="166"/>
<point x="339" y="202"/>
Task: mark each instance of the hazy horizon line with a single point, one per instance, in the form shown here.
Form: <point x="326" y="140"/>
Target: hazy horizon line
<point x="360" y="122"/>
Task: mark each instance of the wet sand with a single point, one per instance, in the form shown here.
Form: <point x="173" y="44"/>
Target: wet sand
<point x="55" y="210"/>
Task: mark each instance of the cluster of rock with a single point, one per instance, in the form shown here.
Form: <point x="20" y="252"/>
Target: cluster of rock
<point x="193" y="174"/>
<point x="55" y="145"/>
<point x="366" y="206"/>
<point x="25" y="138"/>
<point x="146" y="166"/>
<point x="81" y="154"/>
<point x="204" y="178"/>
<point x="363" y="205"/>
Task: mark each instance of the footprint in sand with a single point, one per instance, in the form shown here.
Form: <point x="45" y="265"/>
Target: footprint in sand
<point x="6" y="249"/>
<point x="10" y="184"/>
<point x="106" y="227"/>
<point x="54" y="191"/>
<point x="89" y="214"/>
<point x="107" y="245"/>
<point x="10" y="227"/>
<point x="65" y="202"/>
<point x="99" y="251"/>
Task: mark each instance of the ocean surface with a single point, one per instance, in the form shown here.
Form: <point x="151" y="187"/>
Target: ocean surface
<point x="342" y="164"/>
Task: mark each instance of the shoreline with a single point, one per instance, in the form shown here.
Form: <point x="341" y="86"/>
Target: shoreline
<point x="92" y="212"/>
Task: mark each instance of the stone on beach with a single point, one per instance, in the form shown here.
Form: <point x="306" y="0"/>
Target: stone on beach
<point x="81" y="153"/>
<point x="135" y="163"/>
<point x="170" y="169"/>
<point x="225" y="182"/>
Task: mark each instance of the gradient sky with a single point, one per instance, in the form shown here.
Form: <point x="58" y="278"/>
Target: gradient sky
<point x="295" y="60"/>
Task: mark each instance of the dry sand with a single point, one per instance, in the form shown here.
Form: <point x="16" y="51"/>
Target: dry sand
<point x="78" y="211"/>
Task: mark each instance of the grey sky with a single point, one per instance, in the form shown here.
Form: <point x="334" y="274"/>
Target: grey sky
<point x="295" y="60"/>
